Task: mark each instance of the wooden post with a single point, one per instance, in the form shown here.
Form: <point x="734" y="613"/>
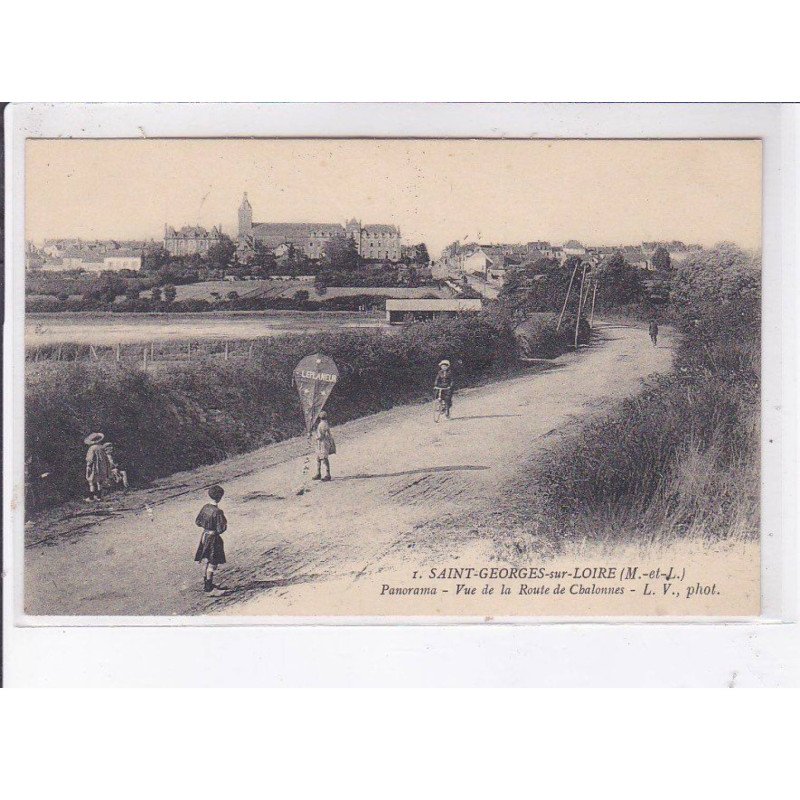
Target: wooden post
<point x="588" y="287"/>
<point x="189" y="350"/>
<point x="152" y="352"/>
<point x="60" y="346"/>
<point x="117" y="352"/>
<point x="144" y="358"/>
<point x="226" y="350"/>
<point x="569" y="289"/>
<point x="585" y="302"/>
<point x="594" y="294"/>
<point x="250" y="354"/>
<point x="580" y="299"/>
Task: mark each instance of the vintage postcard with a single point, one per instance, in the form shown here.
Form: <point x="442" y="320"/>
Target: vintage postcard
<point x="396" y="378"/>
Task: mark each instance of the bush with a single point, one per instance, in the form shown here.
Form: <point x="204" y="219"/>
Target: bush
<point x="44" y="303"/>
<point x="537" y="336"/>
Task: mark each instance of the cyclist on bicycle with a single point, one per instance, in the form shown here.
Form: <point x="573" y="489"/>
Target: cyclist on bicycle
<point x="444" y="381"/>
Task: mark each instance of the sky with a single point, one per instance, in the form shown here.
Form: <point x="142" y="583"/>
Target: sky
<point x="601" y="192"/>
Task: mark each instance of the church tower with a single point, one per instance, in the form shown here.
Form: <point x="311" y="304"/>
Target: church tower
<point x="245" y="218"/>
<point x="353" y="231"/>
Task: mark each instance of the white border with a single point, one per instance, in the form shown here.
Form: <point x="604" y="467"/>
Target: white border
<point x="775" y="125"/>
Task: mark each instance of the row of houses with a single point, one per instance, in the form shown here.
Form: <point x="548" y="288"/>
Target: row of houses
<point x="492" y="261"/>
<point x="61" y="255"/>
<point x="89" y="249"/>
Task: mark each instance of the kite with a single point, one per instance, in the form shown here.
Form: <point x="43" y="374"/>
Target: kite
<point x="314" y="377"/>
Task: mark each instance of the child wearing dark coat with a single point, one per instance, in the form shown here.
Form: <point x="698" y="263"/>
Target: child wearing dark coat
<point x="211" y="548"/>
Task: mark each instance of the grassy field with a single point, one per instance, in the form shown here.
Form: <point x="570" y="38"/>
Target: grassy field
<point x="107" y="328"/>
<point x="287" y="289"/>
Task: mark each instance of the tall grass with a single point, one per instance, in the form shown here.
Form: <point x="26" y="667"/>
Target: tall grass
<point x="700" y="478"/>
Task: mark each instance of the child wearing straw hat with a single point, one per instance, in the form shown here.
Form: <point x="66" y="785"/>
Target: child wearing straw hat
<point x="211" y="547"/>
<point x="98" y="466"/>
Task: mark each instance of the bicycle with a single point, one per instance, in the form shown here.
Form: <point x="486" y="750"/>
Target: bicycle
<point x="441" y="403"/>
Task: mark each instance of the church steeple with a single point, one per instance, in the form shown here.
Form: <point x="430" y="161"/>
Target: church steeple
<point x="245" y="217"/>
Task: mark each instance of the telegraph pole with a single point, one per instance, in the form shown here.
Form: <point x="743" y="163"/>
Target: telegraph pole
<point x="569" y="289"/>
<point x="588" y="287"/>
<point x="580" y="305"/>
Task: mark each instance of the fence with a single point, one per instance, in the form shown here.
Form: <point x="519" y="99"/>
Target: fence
<point x="146" y="355"/>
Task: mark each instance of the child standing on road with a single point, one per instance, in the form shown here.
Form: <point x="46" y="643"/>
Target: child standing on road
<point x="325" y="447"/>
<point x="211" y="548"/>
<point x="98" y="467"/>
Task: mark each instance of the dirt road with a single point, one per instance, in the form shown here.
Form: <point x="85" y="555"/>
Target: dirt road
<point x="395" y="474"/>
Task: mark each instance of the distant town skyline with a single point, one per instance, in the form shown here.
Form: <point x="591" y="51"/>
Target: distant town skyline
<point x="601" y="192"/>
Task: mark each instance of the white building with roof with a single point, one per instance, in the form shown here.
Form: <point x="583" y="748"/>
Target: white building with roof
<point x="573" y="248"/>
<point x="126" y="261"/>
<point x="398" y="311"/>
<point x="476" y="263"/>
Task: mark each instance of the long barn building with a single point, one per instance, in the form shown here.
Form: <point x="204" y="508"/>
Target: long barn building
<point x="398" y="311"/>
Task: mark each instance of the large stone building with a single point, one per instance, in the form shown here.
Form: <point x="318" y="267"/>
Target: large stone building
<point x="190" y="239"/>
<point x="376" y="242"/>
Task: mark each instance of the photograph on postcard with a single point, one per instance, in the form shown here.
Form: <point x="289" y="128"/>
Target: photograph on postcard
<point x="469" y="378"/>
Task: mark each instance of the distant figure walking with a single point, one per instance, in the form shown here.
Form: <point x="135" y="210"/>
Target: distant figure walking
<point x="325" y="447"/>
<point x="118" y="474"/>
<point x="444" y="381"/>
<point x="654" y="332"/>
<point x="211" y="547"/>
<point x="98" y="467"/>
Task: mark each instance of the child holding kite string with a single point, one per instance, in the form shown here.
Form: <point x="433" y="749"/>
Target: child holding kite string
<point x="325" y="446"/>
